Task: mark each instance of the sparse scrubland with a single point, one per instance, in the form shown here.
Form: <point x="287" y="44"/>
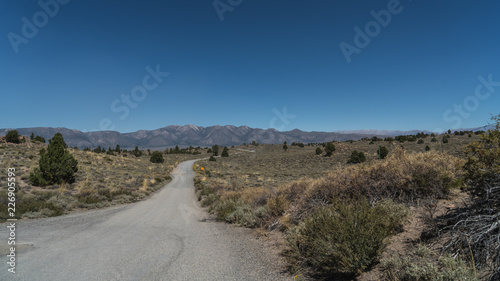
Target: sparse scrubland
<point x="335" y="217"/>
<point x="335" y="208"/>
<point x="101" y="180"/>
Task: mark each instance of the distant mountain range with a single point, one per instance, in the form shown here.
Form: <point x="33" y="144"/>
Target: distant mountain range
<point x="184" y="136"/>
<point x="196" y="136"/>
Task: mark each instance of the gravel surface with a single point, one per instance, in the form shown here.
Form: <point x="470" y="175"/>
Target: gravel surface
<point x="166" y="237"/>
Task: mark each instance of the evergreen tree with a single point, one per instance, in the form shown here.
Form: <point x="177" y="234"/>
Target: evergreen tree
<point x="156" y="157"/>
<point x="215" y="150"/>
<point x="225" y="152"/>
<point x="56" y="165"/>
<point x="32" y="137"/>
<point x="117" y="149"/>
<point x="319" y="151"/>
<point x="39" y="139"/>
<point x="136" y="152"/>
<point x="383" y="152"/>
<point x="356" y="157"/>
<point x="329" y="149"/>
<point x="427" y="148"/>
<point x="12" y="136"/>
<point x="212" y="158"/>
<point x="285" y="146"/>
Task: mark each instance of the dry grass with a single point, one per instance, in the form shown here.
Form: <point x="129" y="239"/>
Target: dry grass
<point x="102" y="180"/>
<point x="288" y="188"/>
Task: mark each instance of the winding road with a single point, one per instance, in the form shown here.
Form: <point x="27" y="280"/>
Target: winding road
<point x="166" y="237"/>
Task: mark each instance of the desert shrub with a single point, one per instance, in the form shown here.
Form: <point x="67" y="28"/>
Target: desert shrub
<point x="242" y="214"/>
<point x="36" y="202"/>
<point x="212" y="158"/>
<point x="225" y="207"/>
<point x="342" y="239"/>
<point x="356" y="157"/>
<point x="434" y="140"/>
<point x="383" y="152"/>
<point x="446" y="138"/>
<point x="210" y="199"/>
<point x="476" y="227"/>
<point x="56" y="164"/>
<point x="420" y="141"/>
<point x="12" y="136"/>
<point x="405" y="178"/>
<point x="204" y="191"/>
<point x="420" y="265"/>
<point x="156" y="157"/>
<point x="319" y="151"/>
<point x="277" y="205"/>
<point x="427" y="148"/>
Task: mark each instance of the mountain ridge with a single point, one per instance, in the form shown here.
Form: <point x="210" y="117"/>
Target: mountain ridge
<point x="192" y="135"/>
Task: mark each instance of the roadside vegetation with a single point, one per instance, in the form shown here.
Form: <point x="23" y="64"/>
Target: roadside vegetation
<point x="337" y="209"/>
<point x="54" y="179"/>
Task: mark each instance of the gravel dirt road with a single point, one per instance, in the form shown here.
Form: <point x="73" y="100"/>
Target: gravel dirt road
<point x="166" y="237"/>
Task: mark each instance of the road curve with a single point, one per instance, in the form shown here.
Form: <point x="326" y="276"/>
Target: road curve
<point x="165" y="237"/>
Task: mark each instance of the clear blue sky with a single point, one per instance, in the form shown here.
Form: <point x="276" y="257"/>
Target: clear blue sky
<point x="418" y="71"/>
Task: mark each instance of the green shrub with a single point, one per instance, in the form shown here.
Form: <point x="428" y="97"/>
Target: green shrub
<point x="224" y="208"/>
<point x="420" y="141"/>
<point x="434" y="140"/>
<point x="446" y="138"/>
<point x="156" y="157"/>
<point x="12" y="137"/>
<point x="329" y="149"/>
<point x="427" y="148"/>
<point x="39" y="139"/>
<point x="210" y="199"/>
<point x="356" y="157"/>
<point x="344" y="238"/>
<point x="212" y="158"/>
<point x="319" y="151"/>
<point x="383" y="152"/>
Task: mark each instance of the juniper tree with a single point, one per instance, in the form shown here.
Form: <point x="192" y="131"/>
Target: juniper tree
<point x="156" y="157"/>
<point x="329" y="149"/>
<point x="319" y="151"/>
<point x="56" y="164"/>
<point x="12" y="136"/>
<point x="215" y="150"/>
<point x="225" y="152"/>
<point x="383" y="151"/>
